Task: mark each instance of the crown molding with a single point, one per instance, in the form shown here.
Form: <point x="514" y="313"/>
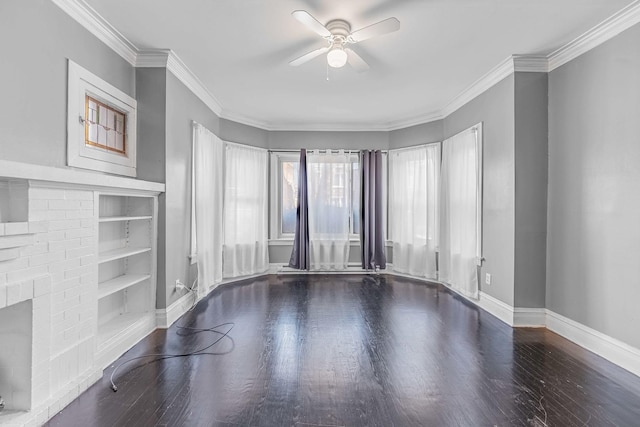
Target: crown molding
<point x="191" y="81"/>
<point x="504" y="69"/>
<point x="86" y="16"/>
<point x="606" y="30"/>
<point x="530" y="64"/>
<point x="152" y="58"/>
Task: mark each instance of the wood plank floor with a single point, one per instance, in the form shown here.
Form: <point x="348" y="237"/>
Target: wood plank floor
<point x="328" y="350"/>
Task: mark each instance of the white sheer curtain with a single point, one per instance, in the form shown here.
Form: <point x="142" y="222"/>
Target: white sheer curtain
<point x="460" y="212"/>
<point x="328" y="186"/>
<point x="245" y="211"/>
<point x="413" y="207"/>
<point x="206" y="207"/>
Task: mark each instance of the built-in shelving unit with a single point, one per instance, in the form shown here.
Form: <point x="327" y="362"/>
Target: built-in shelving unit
<point x="126" y="271"/>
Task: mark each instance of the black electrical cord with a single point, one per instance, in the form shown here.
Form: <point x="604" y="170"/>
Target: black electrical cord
<point x="199" y="352"/>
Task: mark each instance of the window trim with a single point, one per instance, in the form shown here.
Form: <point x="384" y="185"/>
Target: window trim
<point x="82" y="83"/>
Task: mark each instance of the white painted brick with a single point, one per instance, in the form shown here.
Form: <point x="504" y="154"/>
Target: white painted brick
<point x="55" y="215"/>
<point x="1" y="229"/>
<point x="57" y="277"/>
<point x="3" y="278"/>
<point x="78" y="232"/>
<point x="81" y="214"/>
<point x="39" y="193"/>
<point x="35" y="249"/>
<point x="70" y="302"/>
<point x="88" y="241"/>
<point x="41" y="286"/>
<point x="16" y="241"/>
<point x="27" y="273"/>
<point x="63" y="205"/>
<point x="15" y="228"/>
<point x="46" y="258"/>
<point x="38" y="215"/>
<point x="72" y="294"/>
<point x="71" y="334"/>
<point x="13" y="293"/>
<point x="78" y="195"/>
<point x="86" y="205"/>
<point x="52" y="236"/>
<point x="62" y="266"/>
<point x="57" y="320"/>
<point x="79" y="252"/>
<point x="38" y="205"/>
<point x="87" y="280"/>
<point x="87" y="223"/>
<point x="26" y="290"/>
<point x="9" y="254"/>
<point x="62" y="286"/>
<point x="87" y="259"/>
<point x="57" y="298"/>
<point x="3" y="296"/>
<point x="78" y="272"/>
<point x="63" y="245"/>
<point x="66" y="224"/>
<point x="16" y="264"/>
<point x="38" y="226"/>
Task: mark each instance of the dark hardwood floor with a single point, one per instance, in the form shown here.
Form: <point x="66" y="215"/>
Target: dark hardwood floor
<point x="330" y="350"/>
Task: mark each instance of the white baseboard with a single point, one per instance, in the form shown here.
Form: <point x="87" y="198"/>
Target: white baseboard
<point x="166" y="316"/>
<point x="529" y="317"/>
<point x="603" y="345"/>
<point x="494" y="306"/>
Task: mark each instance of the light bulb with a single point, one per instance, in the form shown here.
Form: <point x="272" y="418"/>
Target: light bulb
<point x="337" y="57"/>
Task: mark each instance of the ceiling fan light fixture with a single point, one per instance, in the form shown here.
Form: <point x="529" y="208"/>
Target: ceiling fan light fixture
<point x="337" y="57"/>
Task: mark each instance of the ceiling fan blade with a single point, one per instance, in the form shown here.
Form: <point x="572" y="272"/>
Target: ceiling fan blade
<point x="311" y="23"/>
<point x="389" y="25"/>
<point x="308" y="56"/>
<point x="356" y="61"/>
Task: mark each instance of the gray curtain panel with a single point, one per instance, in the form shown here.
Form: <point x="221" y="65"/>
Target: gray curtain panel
<point x="300" y="253"/>
<point x="371" y="214"/>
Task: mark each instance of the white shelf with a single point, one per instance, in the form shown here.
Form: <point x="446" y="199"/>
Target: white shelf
<point x="124" y="218"/>
<point x="113" y="330"/>
<point x="121" y="282"/>
<point x="115" y="254"/>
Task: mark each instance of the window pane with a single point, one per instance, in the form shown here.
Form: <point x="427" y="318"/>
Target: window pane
<point x="289" y="191"/>
<point x="355" y="197"/>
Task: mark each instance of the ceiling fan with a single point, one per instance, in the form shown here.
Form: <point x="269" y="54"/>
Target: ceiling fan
<point x="338" y="35"/>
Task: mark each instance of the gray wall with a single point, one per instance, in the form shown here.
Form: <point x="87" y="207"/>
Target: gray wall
<point x="243" y="134"/>
<point x="593" y="243"/>
<point x="37" y="38"/>
<point x="182" y="107"/>
<point x="495" y="109"/>
<point x="531" y="152"/>
<point x="346" y="140"/>
<point x="417" y="135"/>
<point x="151" y="88"/>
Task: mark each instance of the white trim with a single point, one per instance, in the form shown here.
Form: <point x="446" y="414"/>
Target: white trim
<point x="81" y="12"/>
<point x="603" y="345"/>
<point x="191" y="81"/>
<point x="87" y="16"/>
<point x="529" y="317"/>
<point x="530" y="63"/>
<point x="82" y="83"/>
<point x="165" y="317"/>
<point x="74" y="178"/>
<point x="606" y="30"/>
<point x="495" y="307"/>
<point x="498" y="73"/>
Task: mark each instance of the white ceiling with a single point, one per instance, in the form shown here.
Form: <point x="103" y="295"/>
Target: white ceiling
<point x="240" y="50"/>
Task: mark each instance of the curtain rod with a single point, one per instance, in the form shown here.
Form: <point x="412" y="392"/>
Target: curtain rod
<point x="320" y="150"/>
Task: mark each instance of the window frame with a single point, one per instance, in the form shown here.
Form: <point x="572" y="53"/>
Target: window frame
<point x="275" y="193"/>
<point x="83" y="83"/>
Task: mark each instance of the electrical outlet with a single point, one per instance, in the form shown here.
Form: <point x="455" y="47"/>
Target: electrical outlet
<point x="487" y="279"/>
